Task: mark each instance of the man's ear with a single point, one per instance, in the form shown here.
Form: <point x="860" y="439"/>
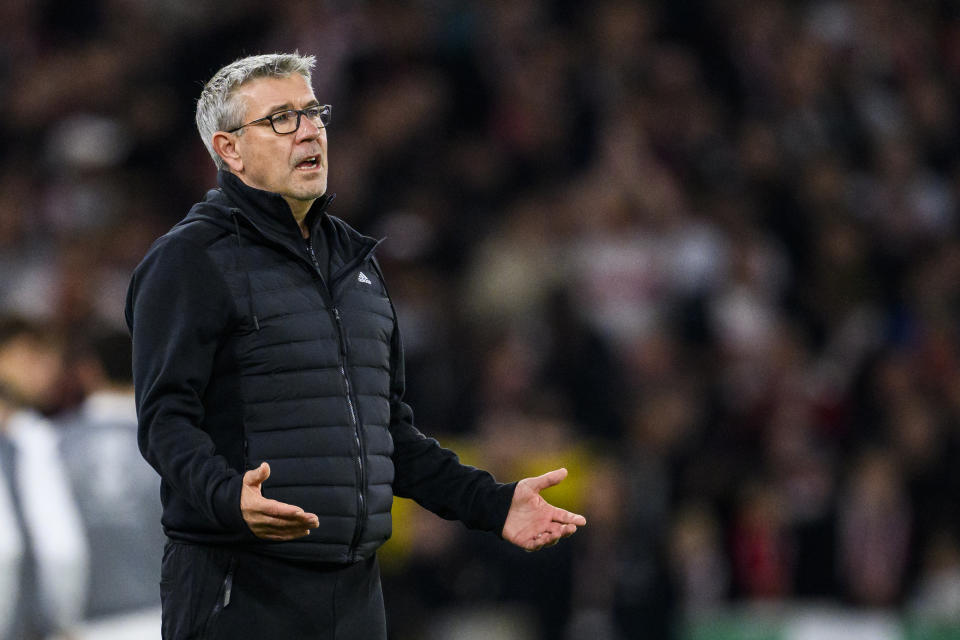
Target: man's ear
<point x="225" y="144"/>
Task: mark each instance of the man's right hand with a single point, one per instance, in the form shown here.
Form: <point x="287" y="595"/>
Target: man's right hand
<point x="269" y="519"/>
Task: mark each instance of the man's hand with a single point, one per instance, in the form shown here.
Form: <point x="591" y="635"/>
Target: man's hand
<point x="269" y="519"/>
<point x="532" y="522"/>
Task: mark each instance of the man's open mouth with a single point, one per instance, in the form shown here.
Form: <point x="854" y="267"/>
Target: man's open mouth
<point x="309" y="163"/>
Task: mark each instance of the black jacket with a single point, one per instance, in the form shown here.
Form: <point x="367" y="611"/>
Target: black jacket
<point x="245" y="352"/>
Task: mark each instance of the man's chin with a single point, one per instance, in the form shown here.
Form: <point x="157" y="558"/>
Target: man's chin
<point x="308" y="193"/>
<point x="314" y="195"/>
<point x="310" y="189"/>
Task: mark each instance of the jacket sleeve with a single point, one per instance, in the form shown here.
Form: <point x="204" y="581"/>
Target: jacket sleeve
<point x="434" y="476"/>
<point x="178" y="308"/>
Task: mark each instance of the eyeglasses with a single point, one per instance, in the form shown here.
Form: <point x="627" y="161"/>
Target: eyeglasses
<point x="288" y="121"/>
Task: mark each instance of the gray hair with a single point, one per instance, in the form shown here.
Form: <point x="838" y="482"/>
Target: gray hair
<point x="219" y="110"/>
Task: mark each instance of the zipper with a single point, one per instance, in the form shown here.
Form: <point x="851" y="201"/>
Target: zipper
<point x="316" y="263"/>
<point x="358" y="438"/>
<point x="223" y="599"/>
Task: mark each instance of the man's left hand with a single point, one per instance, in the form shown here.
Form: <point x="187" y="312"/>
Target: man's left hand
<point x="532" y="522"/>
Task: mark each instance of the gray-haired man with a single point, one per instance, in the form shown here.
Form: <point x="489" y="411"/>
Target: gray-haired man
<point x="269" y="380"/>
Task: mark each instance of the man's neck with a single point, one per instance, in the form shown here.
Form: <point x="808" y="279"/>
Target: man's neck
<point x="299" y="209"/>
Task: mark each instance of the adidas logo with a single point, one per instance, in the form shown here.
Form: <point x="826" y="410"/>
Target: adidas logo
<point x="363" y="278"/>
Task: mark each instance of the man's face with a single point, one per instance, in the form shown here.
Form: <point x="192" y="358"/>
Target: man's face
<point x="282" y="163"/>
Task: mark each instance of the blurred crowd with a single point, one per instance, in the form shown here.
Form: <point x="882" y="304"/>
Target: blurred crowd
<point x="704" y="253"/>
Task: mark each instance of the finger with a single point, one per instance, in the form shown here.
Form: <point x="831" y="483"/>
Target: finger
<point x="552" y="536"/>
<point x="566" y="517"/>
<point x="277" y="525"/>
<point x="282" y="537"/>
<point x="272" y="527"/>
<point x="277" y="509"/>
<point x="301" y="518"/>
<point x="288" y="513"/>
<point x="256" y="477"/>
<point x="279" y="528"/>
<point x="281" y="524"/>
<point x="548" y="479"/>
<point x="542" y="539"/>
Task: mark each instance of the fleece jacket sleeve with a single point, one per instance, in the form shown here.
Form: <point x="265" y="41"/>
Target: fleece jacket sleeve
<point x="434" y="476"/>
<point x="177" y="310"/>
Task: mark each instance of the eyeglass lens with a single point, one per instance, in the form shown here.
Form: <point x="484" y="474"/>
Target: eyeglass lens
<point x="289" y="121"/>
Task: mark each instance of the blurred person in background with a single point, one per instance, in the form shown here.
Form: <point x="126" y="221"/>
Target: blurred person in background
<point x="117" y="495"/>
<point x="269" y="382"/>
<point x="43" y="554"/>
<point x="763" y="549"/>
<point x="875" y="525"/>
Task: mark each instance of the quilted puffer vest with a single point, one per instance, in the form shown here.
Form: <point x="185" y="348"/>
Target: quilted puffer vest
<point x="314" y="363"/>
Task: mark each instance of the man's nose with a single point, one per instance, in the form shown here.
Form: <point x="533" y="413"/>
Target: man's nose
<point x="307" y="129"/>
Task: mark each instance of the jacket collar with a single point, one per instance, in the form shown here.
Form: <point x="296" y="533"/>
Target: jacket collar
<point x="268" y="211"/>
<point x="269" y="214"/>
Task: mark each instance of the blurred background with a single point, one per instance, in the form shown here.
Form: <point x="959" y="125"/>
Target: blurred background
<point x="702" y="253"/>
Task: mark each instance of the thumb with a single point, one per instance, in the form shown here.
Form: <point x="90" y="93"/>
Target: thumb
<point x="548" y="479"/>
<point x="256" y="477"/>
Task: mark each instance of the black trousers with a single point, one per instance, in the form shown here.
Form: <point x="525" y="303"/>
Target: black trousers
<point x="213" y="593"/>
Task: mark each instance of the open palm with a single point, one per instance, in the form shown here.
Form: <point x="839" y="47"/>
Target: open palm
<point x="532" y="522"/>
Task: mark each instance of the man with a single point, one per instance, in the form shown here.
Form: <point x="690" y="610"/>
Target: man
<point x="269" y="381"/>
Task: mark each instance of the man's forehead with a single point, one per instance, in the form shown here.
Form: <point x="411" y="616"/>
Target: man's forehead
<point x="261" y="93"/>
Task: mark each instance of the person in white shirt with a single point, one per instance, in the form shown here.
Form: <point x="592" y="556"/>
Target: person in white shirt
<point x="43" y="552"/>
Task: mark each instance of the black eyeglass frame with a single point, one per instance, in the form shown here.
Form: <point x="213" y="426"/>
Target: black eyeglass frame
<point x="323" y="109"/>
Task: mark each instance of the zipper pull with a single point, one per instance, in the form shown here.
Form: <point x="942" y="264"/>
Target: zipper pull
<point x="343" y="337"/>
<point x="227" y="589"/>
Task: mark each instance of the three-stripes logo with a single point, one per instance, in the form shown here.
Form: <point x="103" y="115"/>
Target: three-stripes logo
<point x="363" y="278"/>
